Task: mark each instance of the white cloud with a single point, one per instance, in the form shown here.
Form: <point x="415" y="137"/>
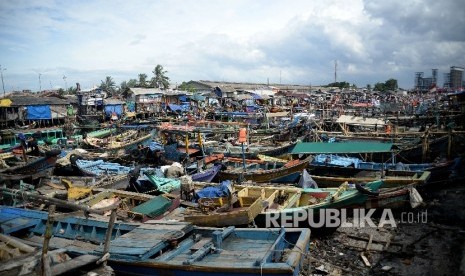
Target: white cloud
<point x="291" y="42"/>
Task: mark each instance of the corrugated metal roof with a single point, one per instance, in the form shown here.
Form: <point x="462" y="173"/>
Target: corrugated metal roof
<point x="345" y="147"/>
<point x="34" y="100"/>
<point x="363" y="121"/>
<point x="146" y="91"/>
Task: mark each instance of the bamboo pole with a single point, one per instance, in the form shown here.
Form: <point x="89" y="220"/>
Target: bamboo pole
<point x="45" y="265"/>
<point x="50" y="200"/>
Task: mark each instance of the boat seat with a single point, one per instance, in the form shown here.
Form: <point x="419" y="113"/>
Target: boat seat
<point x="201" y="244"/>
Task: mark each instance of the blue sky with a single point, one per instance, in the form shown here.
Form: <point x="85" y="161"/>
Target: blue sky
<point x="294" y="42"/>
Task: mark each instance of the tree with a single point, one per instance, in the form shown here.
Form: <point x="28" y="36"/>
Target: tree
<point x="132" y="83"/>
<point x="61" y="92"/>
<point x="369" y="87"/>
<point x="160" y="80"/>
<point x="71" y="90"/>
<point x="379" y="86"/>
<point x="186" y="87"/>
<point x="391" y="84"/>
<point x="340" y="85"/>
<point x="108" y="85"/>
<point x="125" y="87"/>
<point x="142" y="80"/>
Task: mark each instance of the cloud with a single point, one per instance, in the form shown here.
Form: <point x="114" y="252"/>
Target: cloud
<point x="252" y="41"/>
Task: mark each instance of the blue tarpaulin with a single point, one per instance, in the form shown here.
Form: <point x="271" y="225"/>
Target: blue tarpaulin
<point x="37" y="112"/>
<point x="109" y="109"/>
<point x="131" y="106"/>
<point x="175" y="107"/>
<point x="183" y="107"/>
<point x="224" y="189"/>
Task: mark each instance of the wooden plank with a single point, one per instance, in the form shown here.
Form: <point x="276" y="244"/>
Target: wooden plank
<point x="200" y="244"/>
<point x="16" y="243"/>
<point x="16" y="224"/>
<point x="74" y="263"/>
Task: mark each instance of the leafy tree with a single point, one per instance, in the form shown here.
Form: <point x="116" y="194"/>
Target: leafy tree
<point x="160" y="80"/>
<point x="340" y="85"/>
<point x="142" y="80"/>
<point x="71" y="90"/>
<point x="61" y="92"/>
<point x="125" y="87"/>
<point x="369" y="87"/>
<point x="391" y="84"/>
<point x="379" y="86"/>
<point x="186" y="87"/>
<point x="108" y="85"/>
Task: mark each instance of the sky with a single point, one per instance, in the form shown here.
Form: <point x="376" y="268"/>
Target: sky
<point x="48" y="44"/>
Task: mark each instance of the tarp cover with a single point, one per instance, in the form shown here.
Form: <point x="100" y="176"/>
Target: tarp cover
<point x="224" y="189"/>
<point x="38" y="112"/>
<point x="306" y="181"/>
<point x="109" y="109"/>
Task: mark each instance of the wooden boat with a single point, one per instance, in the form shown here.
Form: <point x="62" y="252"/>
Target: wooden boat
<point x="101" y="133"/>
<point x="285" y="173"/>
<point x="18" y="258"/>
<point x="160" y="248"/>
<point x="390" y="178"/>
<point x="35" y="169"/>
<point x="99" y="167"/>
<point x="335" y="165"/>
<point x="286" y="204"/>
<point x="111" y="142"/>
<point x="113" y="147"/>
<point x="207" y="175"/>
<point x="134" y="206"/>
<point x="225" y="210"/>
<point x="392" y="198"/>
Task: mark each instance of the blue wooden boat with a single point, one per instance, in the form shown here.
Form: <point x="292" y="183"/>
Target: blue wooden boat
<point x="169" y="248"/>
<point x="100" y="167"/>
<point x="207" y="175"/>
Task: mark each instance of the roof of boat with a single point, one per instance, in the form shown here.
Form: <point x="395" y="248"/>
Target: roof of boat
<point x="345" y="147"/>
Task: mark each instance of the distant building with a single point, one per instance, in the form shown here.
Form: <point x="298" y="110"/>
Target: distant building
<point x="425" y="84"/>
<point x="456" y="78"/>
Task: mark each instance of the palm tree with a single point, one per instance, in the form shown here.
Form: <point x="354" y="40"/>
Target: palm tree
<point x="160" y="80"/>
<point x="108" y="85"/>
<point x="125" y="88"/>
<point x="142" y="80"/>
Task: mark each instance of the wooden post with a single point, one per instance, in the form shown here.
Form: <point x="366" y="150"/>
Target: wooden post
<point x="45" y="264"/>
<point x="111" y="223"/>
<point x="449" y="144"/>
<point x="425" y="146"/>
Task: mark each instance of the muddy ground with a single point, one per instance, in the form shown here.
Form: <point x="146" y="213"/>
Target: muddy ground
<point x="431" y="241"/>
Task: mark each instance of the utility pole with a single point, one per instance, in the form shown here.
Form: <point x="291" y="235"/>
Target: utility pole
<point x="335" y="71"/>
<point x="66" y="85"/>
<point x="40" y="83"/>
<point x="3" y="84"/>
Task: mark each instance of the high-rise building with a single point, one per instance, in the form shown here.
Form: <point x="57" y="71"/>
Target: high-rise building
<point x="456" y="77"/>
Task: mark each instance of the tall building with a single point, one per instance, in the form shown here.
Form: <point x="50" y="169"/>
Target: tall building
<point x="456" y="77"/>
<point x="425" y="84"/>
